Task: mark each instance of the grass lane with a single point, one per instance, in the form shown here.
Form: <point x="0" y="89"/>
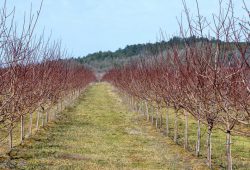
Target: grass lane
<point x="99" y="133"/>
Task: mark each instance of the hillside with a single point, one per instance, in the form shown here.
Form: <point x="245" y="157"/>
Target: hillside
<point x="103" y="61"/>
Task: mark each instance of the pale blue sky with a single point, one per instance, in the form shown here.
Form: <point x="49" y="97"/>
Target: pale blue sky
<point x="87" y="26"/>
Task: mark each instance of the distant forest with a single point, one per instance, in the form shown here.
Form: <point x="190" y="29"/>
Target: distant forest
<point x="103" y="61"/>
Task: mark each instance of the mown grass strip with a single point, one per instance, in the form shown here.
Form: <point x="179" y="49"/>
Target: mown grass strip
<point x="99" y="133"/>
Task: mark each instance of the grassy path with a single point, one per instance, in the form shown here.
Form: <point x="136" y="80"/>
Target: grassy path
<point x="99" y="133"/>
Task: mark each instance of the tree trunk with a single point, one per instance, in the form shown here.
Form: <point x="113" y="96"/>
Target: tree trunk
<point x="79" y="93"/>
<point x="176" y="126"/>
<point x="61" y="105"/>
<point x="228" y="148"/>
<point x="140" y="108"/>
<point x="11" y="136"/>
<point x="152" y="117"/>
<point x="133" y="104"/>
<point x="22" y="128"/>
<point x="54" y="116"/>
<point x="144" y="111"/>
<point x="209" y="147"/>
<point x="37" y="120"/>
<point x="167" y="126"/>
<point x="157" y="117"/>
<point x="57" y="107"/>
<point x="198" y="138"/>
<point x="147" y="114"/>
<point x="186" y="131"/>
<point x="30" y="124"/>
<point x="47" y="117"/>
<point x="160" y="121"/>
<point x="42" y="116"/>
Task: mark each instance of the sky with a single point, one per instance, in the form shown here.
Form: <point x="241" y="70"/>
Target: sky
<point x="87" y="26"/>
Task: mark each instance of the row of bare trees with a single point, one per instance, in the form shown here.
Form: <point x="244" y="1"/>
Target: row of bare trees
<point x="208" y="79"/>
<point x="33" y="76"/>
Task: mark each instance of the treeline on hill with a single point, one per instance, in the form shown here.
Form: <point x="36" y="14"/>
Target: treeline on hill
<point x="207" y="83"/>
<point x="35" y="83"/>
<point x="103" y="61"/>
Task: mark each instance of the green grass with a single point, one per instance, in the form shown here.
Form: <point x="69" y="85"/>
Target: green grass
<point x="240" y="144"/>
<point x="4" y="145"/>
<point x="99" y="133"/>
